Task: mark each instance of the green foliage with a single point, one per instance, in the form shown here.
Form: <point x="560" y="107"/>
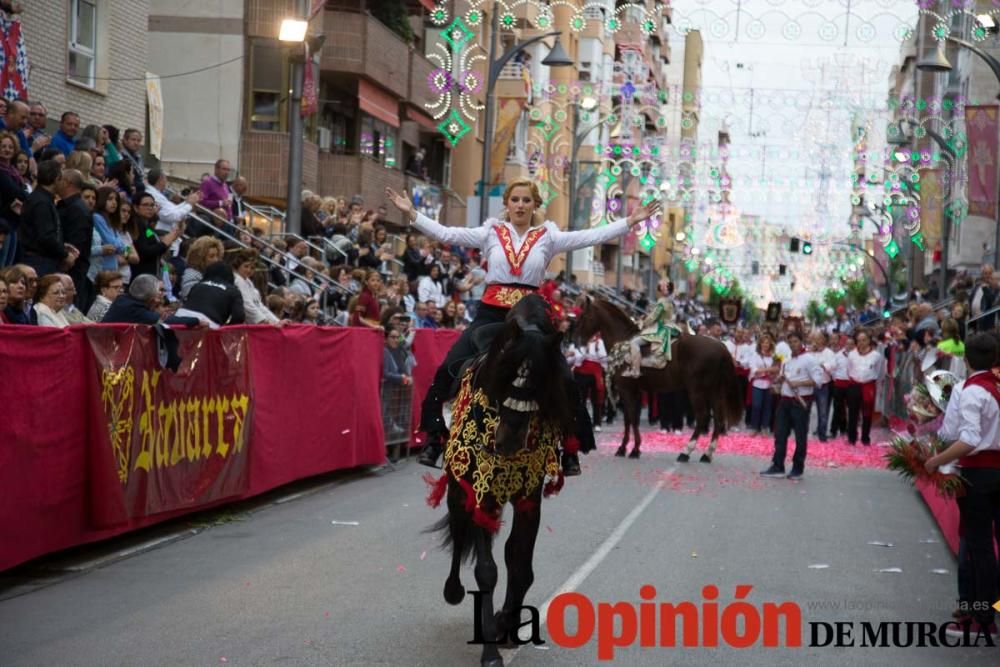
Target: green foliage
<point x="833" y="298"/>
<point x="857" y="293"/>
<point x="394" y="15"/>
<point x="816" y="312"/>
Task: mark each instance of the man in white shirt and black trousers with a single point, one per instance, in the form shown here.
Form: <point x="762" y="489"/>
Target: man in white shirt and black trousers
<point x="799" y="376"/>
<point x="972" y="423"/>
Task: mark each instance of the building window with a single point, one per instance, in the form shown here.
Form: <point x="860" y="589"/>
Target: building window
<point x="267" y="80"/>
<point x="82" y="64"/>
<point x="378" y="141"/>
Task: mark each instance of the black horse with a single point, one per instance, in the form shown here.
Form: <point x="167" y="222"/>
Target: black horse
<point x="508" y="421"/>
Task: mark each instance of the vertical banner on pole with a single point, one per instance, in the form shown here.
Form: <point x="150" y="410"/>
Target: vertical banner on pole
<point x="982" y="126"/>
<point x="154" y="99"/>
<point x="508" y="114"/>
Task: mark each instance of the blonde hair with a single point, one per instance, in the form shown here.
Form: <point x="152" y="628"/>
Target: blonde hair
<point x="536" y="216"/>
<point x="197" y="254"/>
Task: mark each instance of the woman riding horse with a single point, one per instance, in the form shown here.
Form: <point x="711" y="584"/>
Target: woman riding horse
<point x="657" y="328"/>
<point x="517" y="250"/>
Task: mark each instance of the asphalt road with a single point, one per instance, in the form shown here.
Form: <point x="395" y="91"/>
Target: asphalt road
<point x="285" y="585"/>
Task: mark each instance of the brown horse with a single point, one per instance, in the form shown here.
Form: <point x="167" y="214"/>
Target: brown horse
<point x="701" y="366"/>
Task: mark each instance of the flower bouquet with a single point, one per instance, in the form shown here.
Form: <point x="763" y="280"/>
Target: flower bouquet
<point x="927" y="401"/>
<point x="907" y="456"/>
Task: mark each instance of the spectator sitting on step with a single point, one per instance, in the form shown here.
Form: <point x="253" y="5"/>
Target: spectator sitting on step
<point x="243" y="264"/>
<point x="109" y="286"/>
<point x="203" y="251"/>
<point x="215" y="301"/>
<point x="65" y="137"/>
<point x="17" y="309"/>
<point x="51" y="302"/>
<point x="72" y="313"/>
<point x="305" y="275"/>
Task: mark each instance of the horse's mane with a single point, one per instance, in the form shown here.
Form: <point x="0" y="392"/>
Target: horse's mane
<point x="538" y="347"/>
<point x="618" y="314"/>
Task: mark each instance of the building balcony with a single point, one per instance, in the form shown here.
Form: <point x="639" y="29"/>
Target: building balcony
<point x="264" y="163"/>
<point x="512" y="82"/>
<point x="419" y="89"/>
<point x="359" y="44"/>
<point x="594" y="28"/>
<point x="348" y="175"/>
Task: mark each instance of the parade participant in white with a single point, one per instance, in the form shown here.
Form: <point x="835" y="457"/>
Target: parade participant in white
<point x="798" y="378"/>
<point x="864" y="368"/>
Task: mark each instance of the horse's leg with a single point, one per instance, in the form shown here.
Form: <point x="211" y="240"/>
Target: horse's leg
<point x="700" y="427"/>
<point x="518" y="555"/>
<point x="636" y="421"/>
<point x="624" y="394"/>
<point x="486" y="579"/>
<point x="460" y="530"/>
<point x="717" y="429"/>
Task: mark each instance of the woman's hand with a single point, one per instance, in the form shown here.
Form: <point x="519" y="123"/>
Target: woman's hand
<point x="644" y="212"/>
<point x="402" y="202"/>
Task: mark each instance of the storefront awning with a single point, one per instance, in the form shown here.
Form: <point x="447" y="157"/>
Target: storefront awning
<point x="375" y="101"/>
<point x="421" y="118"/>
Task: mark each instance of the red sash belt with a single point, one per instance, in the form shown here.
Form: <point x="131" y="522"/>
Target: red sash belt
<point x="506" y="296"/>
<point x="988" y="459"/>
<point x="743" y="372"/>
<point x="841" y="384"/>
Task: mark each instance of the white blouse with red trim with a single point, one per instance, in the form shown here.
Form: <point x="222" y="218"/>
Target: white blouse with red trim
<point x="515" y="259"/>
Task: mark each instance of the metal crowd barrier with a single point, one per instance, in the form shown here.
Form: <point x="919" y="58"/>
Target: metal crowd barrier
<point x="397" y="406"/>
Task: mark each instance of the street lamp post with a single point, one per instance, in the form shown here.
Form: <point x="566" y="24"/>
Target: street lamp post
<point x="294" y="30"/>
<point x="937" y="63"/>
<point x="557" y="58"/>
<point x="951" y="156"/>
<point x="588" y="103"/>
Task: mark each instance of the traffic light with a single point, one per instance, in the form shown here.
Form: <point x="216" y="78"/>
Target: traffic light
<point x="807" y="248"/>
<point x="794" y="245"/>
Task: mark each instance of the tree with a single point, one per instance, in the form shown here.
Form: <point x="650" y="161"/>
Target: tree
<point x="394" y="15"/>
<point x="816" y="312"/>
<point x="857" y="293"/>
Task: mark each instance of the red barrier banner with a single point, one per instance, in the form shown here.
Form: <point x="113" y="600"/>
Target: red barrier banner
<point x="174" y="440"/>
<point x="430" y="347"/>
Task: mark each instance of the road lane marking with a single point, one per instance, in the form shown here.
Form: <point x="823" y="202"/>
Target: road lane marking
<point x="584" y="571"/>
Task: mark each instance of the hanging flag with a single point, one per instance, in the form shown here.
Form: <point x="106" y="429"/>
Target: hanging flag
<point x="981" y="124"/>
<point x="310" y="98"/>
<point x="154" y="102"/>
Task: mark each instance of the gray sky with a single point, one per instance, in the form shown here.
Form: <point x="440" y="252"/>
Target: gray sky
<point x="790" y="84"/>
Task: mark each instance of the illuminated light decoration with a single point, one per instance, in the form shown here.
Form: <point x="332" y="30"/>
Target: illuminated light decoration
<point x="453" y="127"/>
<point x="918" y="240"/>
<point x="892" y="249"/>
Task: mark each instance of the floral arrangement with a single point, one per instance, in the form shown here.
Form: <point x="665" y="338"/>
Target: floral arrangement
<point x="907" y="456"/>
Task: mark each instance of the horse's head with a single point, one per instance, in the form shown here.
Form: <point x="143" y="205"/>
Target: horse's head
<point x="600" y="316"/>
<point x="522" y="375"/>
<point x="588" y="322"/>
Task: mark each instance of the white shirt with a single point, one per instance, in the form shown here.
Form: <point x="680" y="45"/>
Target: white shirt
<point x="730" y="347"/>
<point x="754" y="361"/>
<point x="743" y="352"/>
<point x="826" y="362"/>
<point x="50" y="318"/>
<point x="256" y="312"/>
<point x="169" y="215"/>
<point x="548" y="245"/>
<point x="840" y="366"/>
<point x="973" y="417"/>
<point x="429" y="289"/>
<point x="798" y="369"/>
<point x="574" y="357"/>
<point x="595" y="351"/>
<point x="864" y="368"/>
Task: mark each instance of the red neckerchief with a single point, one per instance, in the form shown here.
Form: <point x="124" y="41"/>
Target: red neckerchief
<point x="987" y="381"/>
<point x="516" y="260"/>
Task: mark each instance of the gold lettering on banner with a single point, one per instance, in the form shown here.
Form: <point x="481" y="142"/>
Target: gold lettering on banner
<point x="170" y="432"/>
<point x="240" y="405"/>
<point x="221" y="408"/>
<point x="146" y="426"/>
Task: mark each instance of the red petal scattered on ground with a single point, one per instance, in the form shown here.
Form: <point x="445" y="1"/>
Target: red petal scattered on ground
<point x="835" y="453"/>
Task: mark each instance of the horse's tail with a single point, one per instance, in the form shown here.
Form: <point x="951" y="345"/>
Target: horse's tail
<point x="731" y="401"/>
<point x="455" y="528"/>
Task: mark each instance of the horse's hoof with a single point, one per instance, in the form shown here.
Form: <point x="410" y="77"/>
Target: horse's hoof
<point x="495" y="662"/>
<point x="634" y="454"/>
<point x="454" y="592"/>
<point x="705" y="458"/>
<point x="503" y="631"/>
<point x="683" y="458"/>
<point x="570" y="465"/>
<point x="621" y="451"/>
